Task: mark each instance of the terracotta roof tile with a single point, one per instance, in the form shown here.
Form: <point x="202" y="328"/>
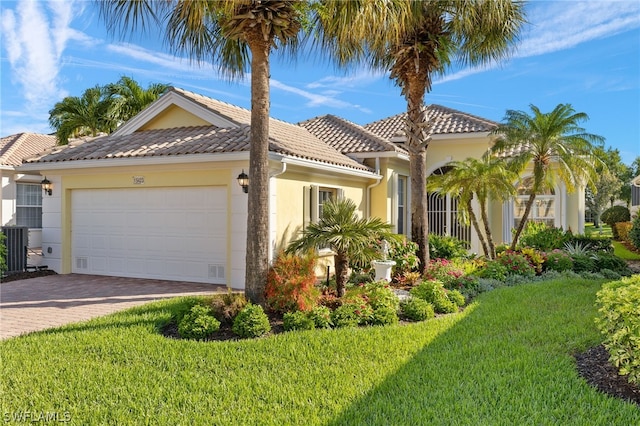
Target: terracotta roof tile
<point x="446" y="121"/>
<point x="16" y="147"/>
<point x="347" y="137"/>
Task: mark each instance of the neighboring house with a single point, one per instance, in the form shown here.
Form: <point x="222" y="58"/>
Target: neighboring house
<point x="635" y="195"/>
<point x="159" y="198"/>
<point x="21" y="192"/>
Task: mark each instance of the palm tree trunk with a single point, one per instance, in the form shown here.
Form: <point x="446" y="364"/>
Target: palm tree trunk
<point x="257" y="254"/>
<point x="523" y="222"/>
<point x="342" y="272"/>
<point x="417" y="143"/>
<point x="487" y="229"/>
<point x="476" y="227"/>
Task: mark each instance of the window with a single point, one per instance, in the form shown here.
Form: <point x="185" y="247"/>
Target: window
<point x="543" y="209"/>
<point x="443" y="213"/>
<point x="402" y="205"/>
<point x="324" y="195"/>
<point x="29" y="205"/>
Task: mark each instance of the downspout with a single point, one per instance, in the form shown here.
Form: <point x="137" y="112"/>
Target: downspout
<point x="373" y="185"/>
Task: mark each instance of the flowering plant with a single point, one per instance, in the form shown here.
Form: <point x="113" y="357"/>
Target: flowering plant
<point x="516" y="263"/>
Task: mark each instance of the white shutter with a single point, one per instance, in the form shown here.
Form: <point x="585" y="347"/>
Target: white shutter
<point x="340" y="194"/>
<point x="313" y="204"/>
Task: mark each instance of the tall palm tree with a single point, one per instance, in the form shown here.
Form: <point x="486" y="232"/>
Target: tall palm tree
<point x="483" y="179"/>
<point x="347" y="235"/>
<point x="416" y="40"/>
<point x="238" y="35"/>
<point x="129" y="98"/>
<point x="87" y="115"/>
<point x="553" y="144"/>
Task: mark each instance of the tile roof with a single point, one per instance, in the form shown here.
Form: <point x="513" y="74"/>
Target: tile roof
<point x="194" y="140"/>
<point x="348" y="137"/>
<point x="446" y="121"/>
<point x="14" y="148"/>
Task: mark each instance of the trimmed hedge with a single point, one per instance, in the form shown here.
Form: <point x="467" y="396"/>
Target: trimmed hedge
<point x="619" y="320"/>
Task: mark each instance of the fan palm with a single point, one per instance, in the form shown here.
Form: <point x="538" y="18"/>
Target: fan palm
<point x="416" y="40"/>
<point x="553" y="144"/>
<point x="349" y="236"/>
<point x="483" y="179"/>
<point x="238" y="35"/>
<point x="87" y="115"/>
<point x="129" y="98"/>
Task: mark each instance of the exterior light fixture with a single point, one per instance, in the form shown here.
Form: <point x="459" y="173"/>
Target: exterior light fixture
<point x="46" y="186"/>
<point x="243" y="181"/>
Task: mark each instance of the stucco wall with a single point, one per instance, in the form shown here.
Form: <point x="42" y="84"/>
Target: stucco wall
<point x="173" y="117"/>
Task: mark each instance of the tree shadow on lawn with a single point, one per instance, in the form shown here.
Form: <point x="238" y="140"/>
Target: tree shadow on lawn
<point x="492" y="369"/>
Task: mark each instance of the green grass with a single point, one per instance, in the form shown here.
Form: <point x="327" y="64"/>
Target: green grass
<point x="506" y="360"/>
<point x="618" y="248"/>
<point x="621" y="251"/>
<point x="604" y="231"/>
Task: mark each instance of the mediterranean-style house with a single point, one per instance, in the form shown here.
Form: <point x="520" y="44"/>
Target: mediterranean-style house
<point x="635" y="195"/>
<point x="159" y="197"/>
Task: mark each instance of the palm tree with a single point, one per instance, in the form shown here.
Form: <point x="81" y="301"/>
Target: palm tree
<point x="129" y="98"/>
<point x="238" y="35"/>
<point x="415" y="40"/>
<point x="347" y="235"/>
<point x="87" y="115"/>
<point x="484" y="179"/>
<point x="553" y="144"/>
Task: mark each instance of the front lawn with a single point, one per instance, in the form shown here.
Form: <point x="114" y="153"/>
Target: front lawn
<point x="507" y="359"/>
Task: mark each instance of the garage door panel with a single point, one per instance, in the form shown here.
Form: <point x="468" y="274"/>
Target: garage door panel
<point x="167" y="233"/>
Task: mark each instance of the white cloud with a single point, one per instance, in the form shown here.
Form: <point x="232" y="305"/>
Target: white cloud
<point x="328" y="99"/>
<point x="361" y="77"/>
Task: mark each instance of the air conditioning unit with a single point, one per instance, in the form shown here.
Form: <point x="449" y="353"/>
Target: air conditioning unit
<point x="16" y="241"/>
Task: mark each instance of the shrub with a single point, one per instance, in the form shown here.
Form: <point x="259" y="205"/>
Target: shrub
<point x="623" y="229"/>
<point x="251" y="322"/>
<point x="434" y="293"/>
<point x="542" y="237"/>
<point x="199" y="323"/>
<point x="613" y="215"/>
<point x="558" y="260"/>
<point x="403" y="252"/>
<point x="297" y="320"/>
<point x="291" y="283"/>
<point x="384" y="316"/>
<point x="226" y="307"/>
<point x="321" y="316"/>
<point x="583" y="263"/>
<point x="380" y="295"/>
<point x="407" y="279"/>
<point x="3" y="254"/>
<point x="516" y="263"/>
<point x="494" y="270"/>
<point x="634" y="234"/>
<point x="466" y="284"/>
<point x="354" y="311"/>
<point x="619" y="320"/>
<point x="416" y="309"/>
<point x="442" y="270"/>
<point x="612" y="262"/>
<point x="535" y="258"/>
<point x="456" y="297"/>
<point x="446" y="247"/>
<point x="609" y="274"/>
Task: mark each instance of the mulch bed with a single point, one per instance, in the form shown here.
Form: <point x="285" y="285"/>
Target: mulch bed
<point x="27" y="275"/>
<point x="594" y="366"/>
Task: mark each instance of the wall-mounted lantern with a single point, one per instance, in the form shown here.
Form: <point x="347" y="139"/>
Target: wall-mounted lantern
<point x="243" y="181"/>
<point x="47" y="186"/>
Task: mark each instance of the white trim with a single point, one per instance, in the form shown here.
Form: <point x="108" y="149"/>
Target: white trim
<point x="385" y="154"/>
<point x="164" y="102"/>
<point x="449" y="136"/>
<point x="326" y="167"/>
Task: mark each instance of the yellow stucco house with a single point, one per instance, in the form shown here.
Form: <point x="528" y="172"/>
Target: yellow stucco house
<point x="159" y="198"/>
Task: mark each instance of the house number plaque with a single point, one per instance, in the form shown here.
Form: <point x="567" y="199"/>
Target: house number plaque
<point x="138" y="180"/>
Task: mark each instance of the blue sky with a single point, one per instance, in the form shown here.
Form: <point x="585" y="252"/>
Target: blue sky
<point x="583" y="53"/>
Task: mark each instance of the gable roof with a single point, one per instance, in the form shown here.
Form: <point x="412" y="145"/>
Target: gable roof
<point x="348" y="137"/>
<point x="14" y="148"/>
<point x="285" y="138"/>
<point x="446" y="121"/>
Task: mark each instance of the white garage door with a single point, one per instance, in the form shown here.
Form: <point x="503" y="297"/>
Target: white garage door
<point x="163" y="233"/>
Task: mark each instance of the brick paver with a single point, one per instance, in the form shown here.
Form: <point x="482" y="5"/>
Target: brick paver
<point x="55" y="300"/>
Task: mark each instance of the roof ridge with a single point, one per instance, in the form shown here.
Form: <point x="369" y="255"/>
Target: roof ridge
<point x="457" y="111"/>
<point x="368" y="133"/>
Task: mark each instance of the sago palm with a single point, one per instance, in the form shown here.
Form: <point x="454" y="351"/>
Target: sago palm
<point x="416" y="40"/>
<point x="555" y="147"/>
<point x="483" y="179"/>
<point x="349" y="237"/>
<point x="87" y="115"/>
<point x="237" y="36"/>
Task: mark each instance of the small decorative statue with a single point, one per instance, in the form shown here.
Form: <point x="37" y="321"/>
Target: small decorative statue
<point x="384" y="245"/>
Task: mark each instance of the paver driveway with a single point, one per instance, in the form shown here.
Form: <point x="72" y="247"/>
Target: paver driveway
<point x="54" y="300"/>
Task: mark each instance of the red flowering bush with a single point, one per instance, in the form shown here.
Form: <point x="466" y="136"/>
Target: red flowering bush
<point x="291" y="283"/>
<point x="516" y="263"/>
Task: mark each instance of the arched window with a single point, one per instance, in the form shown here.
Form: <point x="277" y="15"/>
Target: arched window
<point x="443" y="213"/>
<point x="544" y="206"/>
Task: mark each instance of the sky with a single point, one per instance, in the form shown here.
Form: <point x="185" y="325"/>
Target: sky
<point x="585" y="53"/>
